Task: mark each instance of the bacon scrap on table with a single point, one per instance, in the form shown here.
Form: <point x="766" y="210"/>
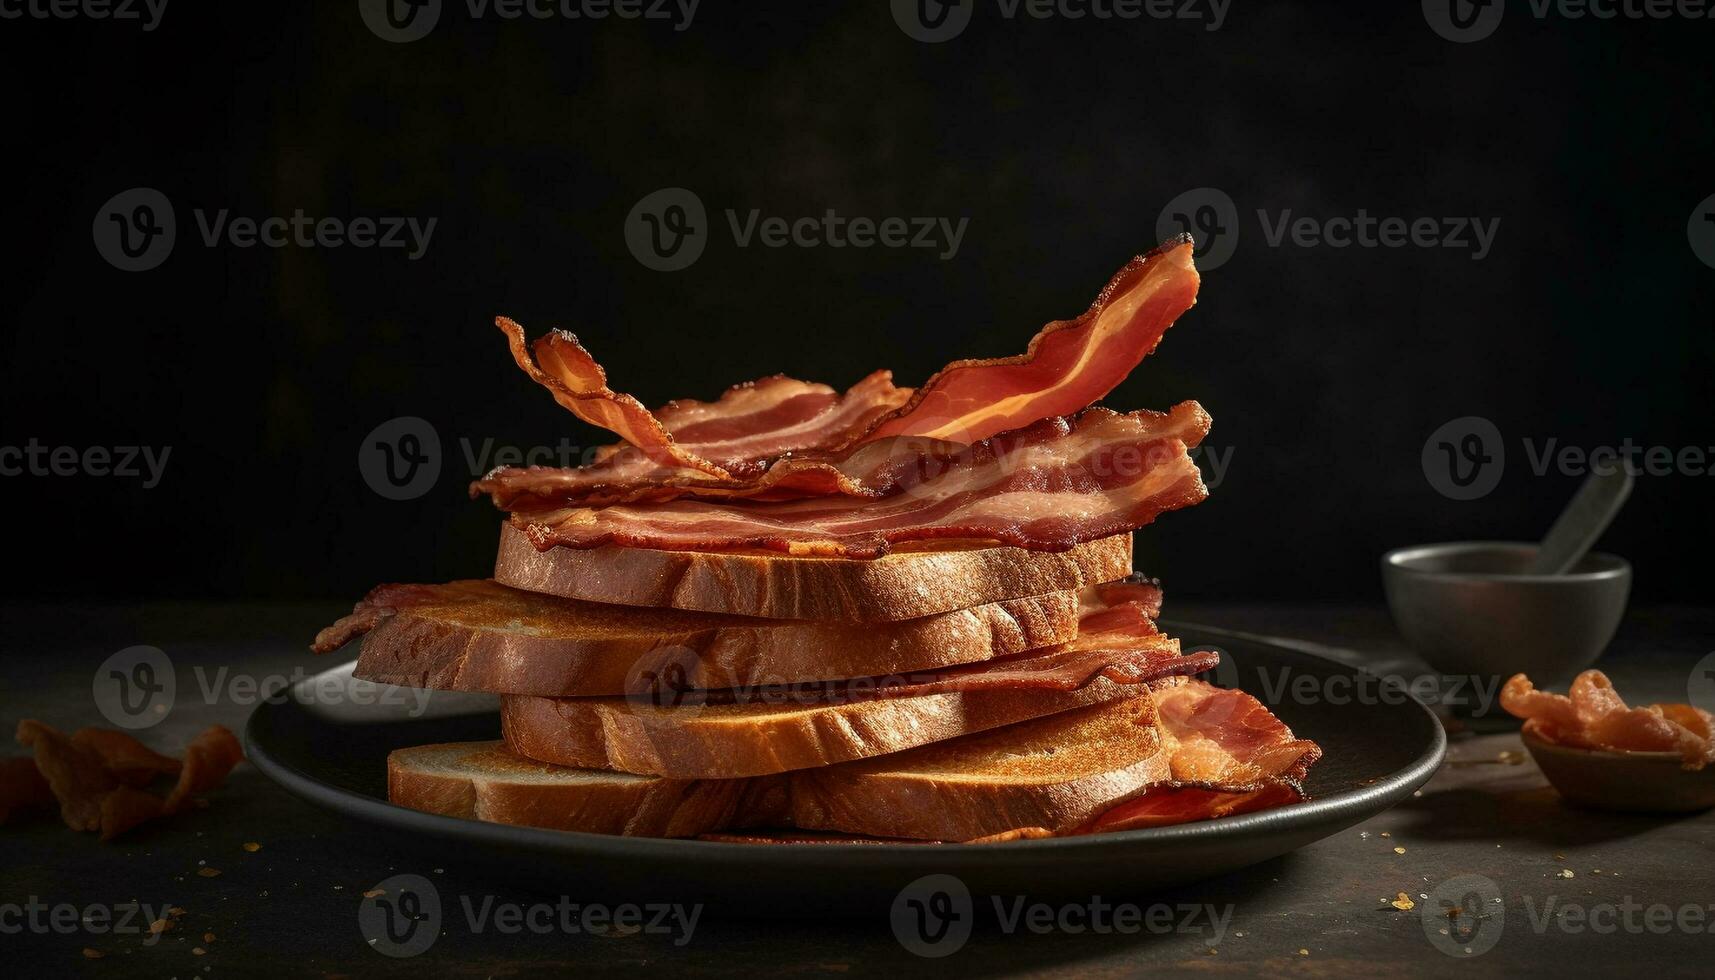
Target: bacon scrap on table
<point x="779" y="438"/>
<point x="99" y="777"/>
<point x="1592" y="715"/>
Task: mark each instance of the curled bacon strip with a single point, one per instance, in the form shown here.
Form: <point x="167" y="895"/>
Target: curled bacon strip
<point x="1594" y="716"/>
<point x="1047" y="487"/>
<point x="780" y="439"/>
<point x="1230" y="755"/>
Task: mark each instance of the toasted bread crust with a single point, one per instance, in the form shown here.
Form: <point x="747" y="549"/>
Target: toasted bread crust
<point x="975" y="787"/>
<point x="488" y="637"/>
<point x="482" y="781"/>
<point x="732" y="741"/>
<point x="906" y="584"/>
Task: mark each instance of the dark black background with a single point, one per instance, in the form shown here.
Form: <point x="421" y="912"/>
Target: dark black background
<point x="530" y="141"/>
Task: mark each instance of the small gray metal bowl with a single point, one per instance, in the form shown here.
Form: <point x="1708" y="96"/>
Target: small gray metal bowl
<point x="1471" y="608"/>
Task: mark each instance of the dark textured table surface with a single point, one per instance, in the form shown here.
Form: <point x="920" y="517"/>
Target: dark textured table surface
<point x="291" y="905"/>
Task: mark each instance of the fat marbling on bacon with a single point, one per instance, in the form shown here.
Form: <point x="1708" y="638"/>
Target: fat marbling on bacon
<point x="779" y="438"/>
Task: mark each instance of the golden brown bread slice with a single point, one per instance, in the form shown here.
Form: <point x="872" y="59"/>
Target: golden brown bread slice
<point x="913" y="581"/>
<point x="483" y="781"/>
<point x="1053" y="774"/>
<point x="730" y="740"/>
<point x="483" y="636"/>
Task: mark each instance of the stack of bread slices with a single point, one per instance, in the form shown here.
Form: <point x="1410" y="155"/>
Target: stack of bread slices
<point x="943" y="692"/>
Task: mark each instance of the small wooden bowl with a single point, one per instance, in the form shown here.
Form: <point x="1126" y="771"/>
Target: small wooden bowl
<point x="1647" y="782"/>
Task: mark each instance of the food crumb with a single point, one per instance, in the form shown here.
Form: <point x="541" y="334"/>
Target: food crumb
<point x="92" y="954"/>
<point x="208" y="872"/>
<point x="1560" y="857"/>
<point x="252" y="846"/>
<point x="208" y="937"/>
<point x="375" y="893"/>
<point x="161" y="925"/>
<point x="1303" y="952"/>
<point x="1565" y="872"/>
<point x="1386" y="834"/>
<point x="1403" y="903"/>
<point x="198" y="951"/>
<point x="1399" y="850"/>
<point x="175" y="911"/>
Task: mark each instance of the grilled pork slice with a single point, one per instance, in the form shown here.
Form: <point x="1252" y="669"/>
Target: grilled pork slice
<point x="483" y="636"/>
<point x="914" y="581"/>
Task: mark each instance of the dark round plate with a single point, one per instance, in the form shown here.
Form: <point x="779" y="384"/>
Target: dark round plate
<point x="1378" y="746"/>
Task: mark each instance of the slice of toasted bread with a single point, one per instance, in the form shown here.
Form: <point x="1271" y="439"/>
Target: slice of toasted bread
<point x="1050" y="775"/>
<point x="483" y="781"/>
<point x="911" y="582"/>
<point x="750" y="738"/>
<point x="483" y="636"/>
<point x="1054" y="773"/>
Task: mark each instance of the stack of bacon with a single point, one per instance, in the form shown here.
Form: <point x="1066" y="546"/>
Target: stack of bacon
<point x="1006" y="451"/>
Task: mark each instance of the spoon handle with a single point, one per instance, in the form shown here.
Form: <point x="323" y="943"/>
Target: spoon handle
<point x="1589" y="513"/>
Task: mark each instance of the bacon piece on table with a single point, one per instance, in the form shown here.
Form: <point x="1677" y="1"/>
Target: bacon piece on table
<point x="1594" y="716"/>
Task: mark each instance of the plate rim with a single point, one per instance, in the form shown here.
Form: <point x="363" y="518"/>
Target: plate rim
<point x="1393" y="786"/>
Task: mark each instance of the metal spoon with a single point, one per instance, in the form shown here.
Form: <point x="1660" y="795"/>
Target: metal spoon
<point x="1588" y="514"/>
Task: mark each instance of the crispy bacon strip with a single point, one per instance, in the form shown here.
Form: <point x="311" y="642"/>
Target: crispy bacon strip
<point x="1048" y="487"/>
<point x="208" y="759"/>
<point x="1230" y="755"/>
<point x="561" y="365"/>
<point x="779" y="438"/>
<point x="1069" y="364"/>
<point x="1594" y="716"/>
